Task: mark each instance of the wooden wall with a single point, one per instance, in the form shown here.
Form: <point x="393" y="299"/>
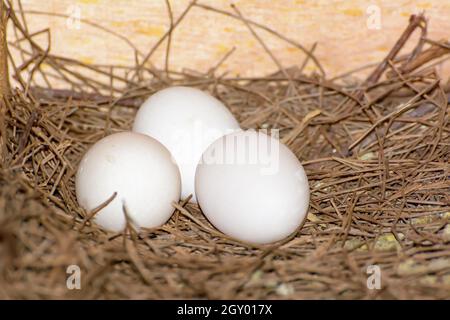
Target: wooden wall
<point x="347" y="32"/>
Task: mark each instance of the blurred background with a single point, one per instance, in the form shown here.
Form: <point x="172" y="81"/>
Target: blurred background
<point x="348" y="34"/>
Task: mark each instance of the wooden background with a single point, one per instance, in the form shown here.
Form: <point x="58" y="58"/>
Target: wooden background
<point x="340" y="28"/>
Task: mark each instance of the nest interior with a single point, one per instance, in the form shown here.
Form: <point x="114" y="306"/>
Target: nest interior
<point x="376" y="151"/>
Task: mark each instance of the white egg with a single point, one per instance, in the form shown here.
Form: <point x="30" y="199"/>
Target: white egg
<point x="252" y="187"/>
<point x="136" y="167"/>
<point x="186" y="121"/>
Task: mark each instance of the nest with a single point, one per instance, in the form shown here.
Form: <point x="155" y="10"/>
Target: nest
<point x="376" y="152"/>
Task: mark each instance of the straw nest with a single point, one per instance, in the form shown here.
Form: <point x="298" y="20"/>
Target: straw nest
<point x="376" y="152"/>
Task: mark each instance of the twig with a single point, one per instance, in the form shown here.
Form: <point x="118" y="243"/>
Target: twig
<point x="169" y="38"/>
<point x="407" y="106"/>
<point x="166" y="35"/>
<point x="4" y="74"/>
<point x="415" y="21"/>
<point x="91" y="214"/>
<point x="434" y="52"/>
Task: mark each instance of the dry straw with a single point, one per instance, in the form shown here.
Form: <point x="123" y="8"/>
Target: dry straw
<point x="376" y="153"/>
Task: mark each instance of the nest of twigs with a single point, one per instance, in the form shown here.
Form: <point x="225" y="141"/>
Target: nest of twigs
<point x="376" y="152"/>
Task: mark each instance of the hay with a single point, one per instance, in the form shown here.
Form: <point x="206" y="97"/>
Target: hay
<point x="376" y="153"/>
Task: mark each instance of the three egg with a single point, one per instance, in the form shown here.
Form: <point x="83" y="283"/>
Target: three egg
<point x="248" y="184"/>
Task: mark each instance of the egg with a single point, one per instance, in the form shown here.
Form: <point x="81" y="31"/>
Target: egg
<point x="139" y="170"/>
<point x="186" y="121"/>
<point x="252" y="187"/>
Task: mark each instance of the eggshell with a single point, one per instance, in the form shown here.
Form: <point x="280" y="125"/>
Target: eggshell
<point x="252" y="187"/>
<point x="186" y="121"/>
<point x="140" y="170"/>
